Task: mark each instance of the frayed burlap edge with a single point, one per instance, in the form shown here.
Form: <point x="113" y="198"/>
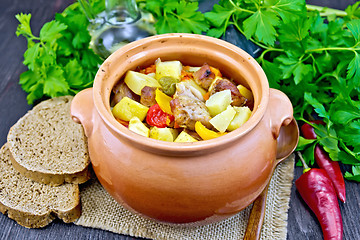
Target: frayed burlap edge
<point x="101" y="211"/>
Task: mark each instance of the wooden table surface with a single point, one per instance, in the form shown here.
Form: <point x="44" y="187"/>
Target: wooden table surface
<point x="302" y="223"/>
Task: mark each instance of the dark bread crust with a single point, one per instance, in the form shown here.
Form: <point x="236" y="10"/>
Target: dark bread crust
<point x="48" y="147"/>
<point x="43" y="210"/>
<point x="52" y="179"/>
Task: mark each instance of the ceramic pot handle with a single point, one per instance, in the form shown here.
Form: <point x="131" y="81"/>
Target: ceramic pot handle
<point x="283" y="125"/>
<point x="281" y="111"/>
<point x="82" y="107"/>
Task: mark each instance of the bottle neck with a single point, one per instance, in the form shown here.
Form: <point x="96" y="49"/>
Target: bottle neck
<point x="120" y="12"/>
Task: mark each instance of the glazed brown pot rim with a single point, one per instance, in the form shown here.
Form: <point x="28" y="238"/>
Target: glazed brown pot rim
<point x="104" y="110"/>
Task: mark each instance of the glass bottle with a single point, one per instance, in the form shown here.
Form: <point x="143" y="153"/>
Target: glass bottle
<point x="121" y="22"/>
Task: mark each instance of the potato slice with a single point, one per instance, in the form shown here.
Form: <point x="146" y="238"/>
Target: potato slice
<point x="127" y="108"/>
<point x="168" y="69"/>
<point x="218" y="102"/>
<point x="163" y="134"/>
<point x="223" y="119"/>
<point x="136" y="81"/>
<point x="242" y="115"/>
<point x="138" y="127"/>
<point x="185" y="137"/>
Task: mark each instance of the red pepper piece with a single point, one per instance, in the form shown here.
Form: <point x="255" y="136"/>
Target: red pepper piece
<point x="317" y="190"/>
<point x="322" y="159"/>
<point x="157" y="117"/>
<point x="333" y="170"/>
<point x="308" y="131"/>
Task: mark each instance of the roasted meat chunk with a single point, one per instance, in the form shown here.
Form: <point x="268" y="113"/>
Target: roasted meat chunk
<point x="204" y="76"/>
<point x="188" y="110"/>
<point x="224" y="84"/>
<point x="185" y="89"/>
<point x="121" y="90"/>
<point x="147" y="97"/>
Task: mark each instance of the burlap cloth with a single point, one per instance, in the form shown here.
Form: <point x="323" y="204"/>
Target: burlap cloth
<point x="99" y="210"/>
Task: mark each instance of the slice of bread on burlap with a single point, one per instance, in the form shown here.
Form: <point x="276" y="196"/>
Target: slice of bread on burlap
<point x="48" y="147"/>
<point x="33" y="204"/>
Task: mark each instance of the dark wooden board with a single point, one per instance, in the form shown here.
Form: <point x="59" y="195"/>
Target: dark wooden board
<point x="302" y="224"/>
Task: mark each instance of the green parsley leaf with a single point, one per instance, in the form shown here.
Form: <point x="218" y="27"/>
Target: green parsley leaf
<point x="328" y="140"/>
<point x="343" y="113"/>
<point x="24" y="27"/>
<point x="297" y="31"/>
<point x="354" y="27"/>
<point x="354" y="68"/>
<point x="35" y="92"/>
<point x="30" y="55"/>
<point x="219" y="15"/>
<point x="74" y="73"/>
<point x="55" y="83"/>
<point x="28" y="79"/>
<point x="350" y="134"/>
<point x="177" y="16"/>
<point x="51" y="31"/>
<point x="355" y="176"/>
<point x="318" y="107"/>
<point x="308" y="155"/>
<point x="262" y="24"/>
<point x="304" y="143"/>
<point x="287" y="9"/>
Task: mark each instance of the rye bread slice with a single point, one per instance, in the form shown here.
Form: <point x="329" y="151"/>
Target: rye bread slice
<point x="33" y="204"/>
<point x="47" y="146"/>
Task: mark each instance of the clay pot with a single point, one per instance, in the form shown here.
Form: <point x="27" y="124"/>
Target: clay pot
<point x="200" y="182"/>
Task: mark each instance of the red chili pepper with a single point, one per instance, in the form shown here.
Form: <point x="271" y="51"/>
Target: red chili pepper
<point x="317" y="190"/>
<point x="322" y="159"/>
<point x="158" y="118"/>
<point x="308" y="131"/>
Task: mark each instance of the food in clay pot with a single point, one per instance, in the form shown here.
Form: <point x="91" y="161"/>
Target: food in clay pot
<point x="198" y="182"/>
<point x="171" y="102"/>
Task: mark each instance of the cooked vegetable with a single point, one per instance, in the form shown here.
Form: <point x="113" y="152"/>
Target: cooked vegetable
<point x="205" y="133"/>
<point x="158" y="118"/>
<point x="185" y="137"/>
<point x="127" y="108"/>
<point x="121" y="90"/>
<point x="317" y="190"/>
<point x="163" y="134"/>
<point x="242" y="115"/>
<point x="137" y="126"/>
<point x="163" y="100"/>
<point x="171" y="113"/>
<point x="136" y="81"/>
<point x="222" y="84"/>
<point x="218" y="102"/>
<point x="168" y="69"/>
<point x="168" y="85"/>
<point x="245" y="92"/>
<point x="223" y="119"/>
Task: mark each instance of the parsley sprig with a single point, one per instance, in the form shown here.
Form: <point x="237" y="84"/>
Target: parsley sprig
<point x="313" y="55"/>
<point x="59" y="60"/>
<point x="176" y="16"/>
